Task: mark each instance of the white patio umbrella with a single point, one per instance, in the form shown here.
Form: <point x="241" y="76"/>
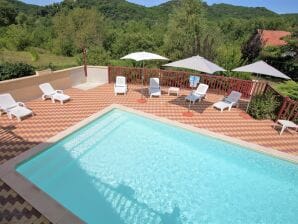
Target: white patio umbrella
<point x="144" y="56"/>
<point x="261" y="67"/>
<point x="197" y="63"/>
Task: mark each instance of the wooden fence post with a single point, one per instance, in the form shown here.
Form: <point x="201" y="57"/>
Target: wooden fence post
<point x="282" y="108"/>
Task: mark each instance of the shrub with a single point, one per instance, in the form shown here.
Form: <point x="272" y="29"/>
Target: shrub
<point x="17" y="70"/>
<point x="264" y="106"/>
<point x="289" y="88"/>
<point x="34" y="55"/>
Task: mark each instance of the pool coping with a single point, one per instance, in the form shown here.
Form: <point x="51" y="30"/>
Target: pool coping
<point x="54" y="211"/>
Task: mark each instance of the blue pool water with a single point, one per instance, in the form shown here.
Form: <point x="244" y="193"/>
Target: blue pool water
<point x="124" y="168"/>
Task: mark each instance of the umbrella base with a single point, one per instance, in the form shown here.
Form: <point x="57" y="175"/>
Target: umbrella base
<point x="141" y="100"/>
<point x="187" y="114"/>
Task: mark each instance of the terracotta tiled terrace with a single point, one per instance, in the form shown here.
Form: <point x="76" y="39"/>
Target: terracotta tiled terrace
<point x="50" y="119"/>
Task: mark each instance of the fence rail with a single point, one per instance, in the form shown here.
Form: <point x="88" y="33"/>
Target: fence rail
<point x="180" y="79"/>
<point x="288" y="109"/>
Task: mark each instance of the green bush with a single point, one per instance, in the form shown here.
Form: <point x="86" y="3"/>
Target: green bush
<point x="17" y="70"/>
<point x="34" y="55"/>
<point x="264" y="106"/>
<point x="289" y="88"/>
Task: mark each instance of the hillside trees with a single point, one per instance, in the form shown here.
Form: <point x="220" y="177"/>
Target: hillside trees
<point x="134" y="36"/>
<point x="7" y="15"/>
<point x="185" y="30"/>
<point x="78" y="30"/>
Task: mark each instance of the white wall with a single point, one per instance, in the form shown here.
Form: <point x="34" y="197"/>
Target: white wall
<point x="98" y="74"/>
<point x="77" y="76"/>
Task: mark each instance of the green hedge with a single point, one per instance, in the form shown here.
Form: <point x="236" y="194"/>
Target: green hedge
<point x="264" y="106"/>
<point x="17" y="70"/>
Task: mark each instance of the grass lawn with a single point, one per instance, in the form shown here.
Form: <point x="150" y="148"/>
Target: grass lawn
<point x="43" y="61"/>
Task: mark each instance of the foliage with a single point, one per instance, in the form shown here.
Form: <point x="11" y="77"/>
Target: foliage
<point x="185" y="30"/>
<point x="17" y="70"/>
<point x="221" y="11"/>
<point x="7" y="15"/>
<point x="45" y="58"/>
<point x="78" y="29"/>
<point x="17" y="38"/>
<point x="284" y="58"/>
<point x="34" y="55"/>
<point x="95" y="56"/>
<point x="288" y="88"/>
<point x="264" y="106"/>
<point x="252" y="48"/>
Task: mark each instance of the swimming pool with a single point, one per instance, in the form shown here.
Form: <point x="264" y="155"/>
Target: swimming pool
<point x="125" y="168"/>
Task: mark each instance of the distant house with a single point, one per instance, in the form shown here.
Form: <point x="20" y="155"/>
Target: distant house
<point x="272" y="37"/>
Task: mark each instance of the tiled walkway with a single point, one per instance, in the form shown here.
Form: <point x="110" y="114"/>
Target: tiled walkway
<point x="50" y="119"/>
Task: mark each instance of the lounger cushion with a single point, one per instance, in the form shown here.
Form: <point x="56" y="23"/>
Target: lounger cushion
<point x="155" y="91"/>
<point x="222" y="105"/>
<point x="20" y="111"/>
<point x="192" y="97"/>
<point x="61" y="97"/>
<point x="120" y="89"/>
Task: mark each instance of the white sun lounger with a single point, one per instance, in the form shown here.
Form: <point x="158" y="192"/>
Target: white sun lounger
<point x="198" y="94"/>
<point x="154" y="88"/>
<point x="49" y="92"/>
<point x="120" y="85"/>
<point x="286" y="124"/>
<point x="12" y="108"/>
<point x="229" y="101"/>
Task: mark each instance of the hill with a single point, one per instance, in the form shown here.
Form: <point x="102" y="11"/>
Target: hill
<point x="19" y="6"/>
<point x="121" y="10"/>
<point x="9" y="9"/>
<point x="219" y="11"/>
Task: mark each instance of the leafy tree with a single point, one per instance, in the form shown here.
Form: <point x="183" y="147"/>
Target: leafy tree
<point x="134" y="37"/>
<point x="185" y="29"/>
<point x="252" y="48"/>
<point x="17" y="37"/>
<point x="80" y="28"/>
<point x="7" y="15"/>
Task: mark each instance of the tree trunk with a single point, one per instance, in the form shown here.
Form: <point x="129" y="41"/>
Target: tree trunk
<point x="85" y="61"/>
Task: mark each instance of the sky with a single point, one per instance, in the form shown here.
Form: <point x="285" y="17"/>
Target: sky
<point x="279" y="6"/>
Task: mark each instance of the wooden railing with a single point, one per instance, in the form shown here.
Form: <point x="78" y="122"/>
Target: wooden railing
<point x="220" y="84"/>
<point x="288" y="108"/>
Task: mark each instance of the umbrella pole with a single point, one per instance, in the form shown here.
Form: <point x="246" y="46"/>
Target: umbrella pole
<point x="142" y="100"/>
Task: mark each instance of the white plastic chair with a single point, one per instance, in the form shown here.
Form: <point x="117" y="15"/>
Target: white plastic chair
<point x="120" y="86"/>
<point x="198" y="94"/>
<point x="12" y="108"/>
<point x="228" y="102"/>
<point x="49" y="92"/>
<point x="154" y="88"/>
<point x="286" y="124"/>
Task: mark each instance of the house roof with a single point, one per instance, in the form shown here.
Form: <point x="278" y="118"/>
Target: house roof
<point x="273" y="37"/>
